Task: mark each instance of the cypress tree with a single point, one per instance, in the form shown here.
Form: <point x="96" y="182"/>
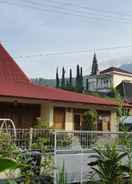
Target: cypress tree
<point x="67" y="87"/>
<point x="57" y="79"/>
<point x="63" y="79"/>
<point x="79" y="79"/>
<point x="78" y="72"/>
<point x="87" y="84"/>
<point x="94" y="65"/>
<point x="70" y="79"/>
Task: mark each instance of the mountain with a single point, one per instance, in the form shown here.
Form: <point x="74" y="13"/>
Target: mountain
<point x="46" y="82"/>
<point x="127" y="67"/>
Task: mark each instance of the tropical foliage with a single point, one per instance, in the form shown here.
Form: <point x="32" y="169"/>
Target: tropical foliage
<point x="90" y="119"/>
<point x="108" y="165"/>
<point x="6" y="163"/>
<point x="61" y="177"/>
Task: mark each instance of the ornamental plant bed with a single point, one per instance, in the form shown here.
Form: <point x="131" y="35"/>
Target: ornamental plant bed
<point x="34" y="180"/>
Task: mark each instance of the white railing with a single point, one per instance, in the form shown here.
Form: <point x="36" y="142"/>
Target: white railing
<point x="87" y="140"/>
<point x="64" y="140"/>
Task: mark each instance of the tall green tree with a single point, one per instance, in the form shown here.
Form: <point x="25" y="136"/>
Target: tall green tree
<point x="70" y="79"/>
<point x="79" y="79"/>
<point x="68" y="82"/>
<point x="57" y="79"/>
<point x="87" y="84"/>
<point x="67" y="86"/>
<point x="63" y="85"/>
<point x="94" y="65"/>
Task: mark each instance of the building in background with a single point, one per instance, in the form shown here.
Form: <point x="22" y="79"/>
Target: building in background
<point x="125" y="90"/>
<point x="104" y="81"/>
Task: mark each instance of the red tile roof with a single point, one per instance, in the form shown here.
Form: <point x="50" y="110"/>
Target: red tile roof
<point x="9" y="70"/>
<point x="33" y="91"/>
<point x="14" y="83"/>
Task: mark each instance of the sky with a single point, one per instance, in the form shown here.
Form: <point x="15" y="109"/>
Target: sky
<point x="45" y="34"/>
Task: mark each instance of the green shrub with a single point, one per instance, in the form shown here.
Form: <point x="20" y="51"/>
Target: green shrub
<point x="7" y="148"/>
<point x="108" y="165"/>
<point x="90" y="118"/>
<point x="41" y="124"/>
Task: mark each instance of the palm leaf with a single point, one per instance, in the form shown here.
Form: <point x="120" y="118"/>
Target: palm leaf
<point x="93" y="163"/>
<point x="124" y="168"/>
<point x="121" y="156"/>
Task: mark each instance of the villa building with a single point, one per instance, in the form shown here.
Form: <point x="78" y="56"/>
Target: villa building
<point x="24" y="102"/>
<point x="105" y="80"/>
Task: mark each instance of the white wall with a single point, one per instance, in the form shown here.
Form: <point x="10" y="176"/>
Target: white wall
<point x="117" y="79"/>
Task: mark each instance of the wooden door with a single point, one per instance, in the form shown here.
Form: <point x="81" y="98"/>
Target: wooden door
<point x="77" y="122"/>
<point x="99" y="125"/>
<point x="59" y="118"/>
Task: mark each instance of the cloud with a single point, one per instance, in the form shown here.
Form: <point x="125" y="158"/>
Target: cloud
<point x="27" y="32"/>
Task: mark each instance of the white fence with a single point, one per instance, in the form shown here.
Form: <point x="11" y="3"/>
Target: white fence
<point x="72" y="148"/>
<point x="60" y="141"/>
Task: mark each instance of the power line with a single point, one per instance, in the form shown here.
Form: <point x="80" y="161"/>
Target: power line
<point x="86" y="8"/>
<point x="74" y="52"/>
<point x="78" y="12"/>
<point x="53" y="10"/>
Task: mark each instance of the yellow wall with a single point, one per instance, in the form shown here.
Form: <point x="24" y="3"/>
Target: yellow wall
<point x="130" y="112"/>
<point x="69" y="124"/>
<point x="47" y="113"/>
<point x="114" y="122"/>
<point x="117" y="79"/>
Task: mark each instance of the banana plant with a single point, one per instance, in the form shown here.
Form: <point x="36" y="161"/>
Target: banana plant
<point x="8" y="164"/>
<point x="11" y="165"/>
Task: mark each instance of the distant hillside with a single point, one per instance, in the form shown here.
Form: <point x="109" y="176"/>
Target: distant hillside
<point x="46" y="82"/>
<point x="127" y="67"/>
